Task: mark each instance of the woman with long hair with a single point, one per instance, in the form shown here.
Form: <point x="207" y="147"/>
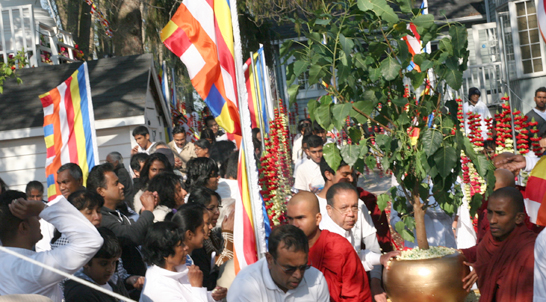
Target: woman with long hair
<point x="202" y="172"/>
<point x="154" y="165"/>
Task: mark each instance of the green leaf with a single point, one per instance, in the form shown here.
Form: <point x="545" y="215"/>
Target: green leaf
<point x="475" y="204"/>
<point x="300" y="67"/>
<point x="425" y="21"/>
<point x="404" y="233"/>
<point x="293" y="93"/>
<point x="322" y="21"/>
<point x="426" y="64"/>
<point x="311" y="106"/>
<point x="323" y="117"/>
<point x="382" y="140"/>
<point x="331" y="155"/>
<point x="363" y="147"/>
<point x="403" y="119"/>
<point x="371" y="162"/>
<point x="314" y="74"/>
<point x="405" y="6"/>
<point x="385" y="11"/>
<point x="445" y="159"/>
<point x="355" y="134"/>
<point x="340" y="113"/>
<point x="350" y="154"/>
<point x="390" y="69"/>
<point x="400" y="102"/>
<point x="445" y="45"/>
<point x="363" y="106"/>
<point x="383" y="201"/>
<point x="459" y="39"/>
<point x="286" y="47"/>
<point x="419" y="58"/>
<point x="374" y="73"/>
<point x="347" y="44"/>
<point x="432" y="140"/>
<point x="454" y="78"/>
<point x="364" y="5"/>
<point x="417" y="78"/>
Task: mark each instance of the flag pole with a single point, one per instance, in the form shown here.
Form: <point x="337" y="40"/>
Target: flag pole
<point x="258" y="99"/>
<point x="242" y="95"/>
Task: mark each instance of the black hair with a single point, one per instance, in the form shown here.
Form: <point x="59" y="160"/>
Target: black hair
<point x="314" y="141"/>
<point x="140" y="130"/>
<point x="189" y="217"/>
<point x="208" y="134"/>
<point x="317" y="128"/>
<point x="86" y="199"/>
<point x="164" y="184"/>
<point x="160" y="241"/>
<point x="305" y="139"/>
<point x="221" y="150"/>
<point x="179" y="129"/>
<point x="96" y="177"/>
<point x="137" y="159"/>
<point x="230" y="166"/>
<point x="324" y="167"/>
<point x="9" y="223"/>
<point x="541" y="89"/>
<point x="336" y="188"/>
<point x="3" y="186"/>
<point x="111" y="248"/>
<point x="513" y="194"/>
<point x="255" y="141"/>
<point x="472" y="91"/>
<point x="145" y="172"/>
<point x="293" y="238"/>
<point x="34" y="185"/>
<point x="207" y="119"/>
<point x="199" y="171"/>
<point x="203" y="196"/>
<point x="203" y="144"/>
<point x="304" y="125"/>
<point x="75" y="170"/>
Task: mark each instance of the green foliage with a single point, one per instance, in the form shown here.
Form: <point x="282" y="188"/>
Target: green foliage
<point x="357" y="50"/>
<point x="9" y="70"/>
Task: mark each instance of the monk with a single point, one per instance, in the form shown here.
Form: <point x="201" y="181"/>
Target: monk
<point x="505" y="257"/>
<point x="330" y="253"/>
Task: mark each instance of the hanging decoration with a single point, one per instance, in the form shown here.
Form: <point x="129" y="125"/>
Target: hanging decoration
<point x="99" y="15"/>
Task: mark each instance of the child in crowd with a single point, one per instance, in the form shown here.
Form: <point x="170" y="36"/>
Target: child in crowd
<point x="142" y="138"/>
<point x="99" y="271"/>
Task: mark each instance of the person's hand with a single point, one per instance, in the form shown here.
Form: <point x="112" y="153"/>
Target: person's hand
<point x="177" y="163"/>
<point x="227" y="224"/>
<point x="149" y="200"/>
<point x="512" y="164"/>
<point x="378" y="294"/>
<point x="134" y="150"/>
<point x="471" y="278"/>
<point x="25" y="209"/>
<point x="195" y="276"/>
<point x="385" y="258"/>
<point x="136" y="282"/>
<point x="219" y="293"/>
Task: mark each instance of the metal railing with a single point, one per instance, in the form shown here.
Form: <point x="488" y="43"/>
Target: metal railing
<point x="489" y="78"/>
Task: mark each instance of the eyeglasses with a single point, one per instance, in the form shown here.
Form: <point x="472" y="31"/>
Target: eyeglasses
<point x="214" y="208"/>
<point x="345" y="209"/>
<point x="290" y="270"/>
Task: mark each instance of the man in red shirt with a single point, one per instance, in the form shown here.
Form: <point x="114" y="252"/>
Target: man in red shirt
<point x="330" y="253"/>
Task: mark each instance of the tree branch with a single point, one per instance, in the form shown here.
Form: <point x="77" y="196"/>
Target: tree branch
<point x="371" y="119"/>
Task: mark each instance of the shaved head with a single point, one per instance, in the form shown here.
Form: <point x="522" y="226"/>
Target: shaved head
<point x="309" y="199"/>
<point x="504" y="155"/>
<point x="512" y="195"/>
<point x="505" y="178"/>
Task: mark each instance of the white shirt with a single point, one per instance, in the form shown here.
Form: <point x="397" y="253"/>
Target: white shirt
<point x="254" y="284"/>
<point x="466" y="236"/>
<point x="48" y="231"/>
<point x="228" y="188"/>
<point x="308" y="175"/>
<point x="481" y="109"/>
<point x="162" y="285"/>
<point x="147" y="151"/>
<point x="18" y="276"/>
<point x="539" y="286"/>
<point x="542" y="114"/>
<point x="297" y="152"/>
<point x="363" y="231"/>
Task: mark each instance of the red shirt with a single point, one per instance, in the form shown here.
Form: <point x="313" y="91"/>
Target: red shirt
<point x="336" y="258"/>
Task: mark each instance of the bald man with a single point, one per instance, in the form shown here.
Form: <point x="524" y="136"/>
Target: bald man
<point x="330" y="253"/>
<point x="505" y="257"/>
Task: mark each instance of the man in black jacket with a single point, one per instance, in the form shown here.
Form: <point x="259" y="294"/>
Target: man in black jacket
<point x="104" y="181"/>
<point x="116" y="159"/>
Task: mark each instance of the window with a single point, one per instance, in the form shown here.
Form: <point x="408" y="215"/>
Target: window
<point x="529" y="38"/>
<point x="303" y="81"/>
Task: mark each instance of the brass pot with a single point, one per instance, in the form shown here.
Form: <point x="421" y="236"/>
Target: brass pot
<point x="428" y="280"/>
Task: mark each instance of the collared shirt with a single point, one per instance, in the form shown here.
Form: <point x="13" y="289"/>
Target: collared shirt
<point x="542" y="114"/>
<point x="254" y="283"/>
<point x="18" y="276"/>
<point x="297" y="151"/>
<point x="363" y="231"/>
<point x="539" y="288"/>
<point x="308" y="175"/>
<point x="185" y="153"/>
<point x="162" y="285"/>
<point x="481" y="109"/>
<point x="148" y="151"/>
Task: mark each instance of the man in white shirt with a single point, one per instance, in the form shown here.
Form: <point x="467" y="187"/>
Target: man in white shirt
<point x="142" y="138"/>
<point x="19" y="232"/>
<point x="539" y="288"/>
<point x="345" y="214"/>
<point x="475" y="105"/>
<point x="304" y="128"/>
<point x="539" y="112"/>
<point x="308" y="177"/>
<point x="283" y="275"/>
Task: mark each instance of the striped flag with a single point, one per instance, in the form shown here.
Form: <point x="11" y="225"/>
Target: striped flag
<point x="541" y="17"/>
<point x="257" y="82"/>
<point x="200" y="33"/>
<point x="69" y="128"/>
<point x="535" y="193"/>
<point x="415" y="46"/>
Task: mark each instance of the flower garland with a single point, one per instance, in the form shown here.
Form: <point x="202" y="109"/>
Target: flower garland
<point x="535" y="145"/>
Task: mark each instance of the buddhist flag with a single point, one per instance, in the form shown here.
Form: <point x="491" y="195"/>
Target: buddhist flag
<point x="69" y="128"/>
<point x="414" y="42"/>
<point x="414" y="135"/>
<point x="541" y="17"/>
<point x="535" y="193"/>
<point x="200" y="33"/>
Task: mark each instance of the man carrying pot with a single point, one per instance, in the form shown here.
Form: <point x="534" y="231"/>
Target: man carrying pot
<point x="504" y="258"/>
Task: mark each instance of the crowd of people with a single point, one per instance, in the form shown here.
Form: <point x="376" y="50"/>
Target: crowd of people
<point x="163" y="230"/>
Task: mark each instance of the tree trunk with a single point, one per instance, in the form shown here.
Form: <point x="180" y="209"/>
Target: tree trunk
<point x="419" y="215"/>
<point x="127" y="26"/>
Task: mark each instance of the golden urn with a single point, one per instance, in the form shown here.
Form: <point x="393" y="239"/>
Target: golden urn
<point x="426" y="280"/>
